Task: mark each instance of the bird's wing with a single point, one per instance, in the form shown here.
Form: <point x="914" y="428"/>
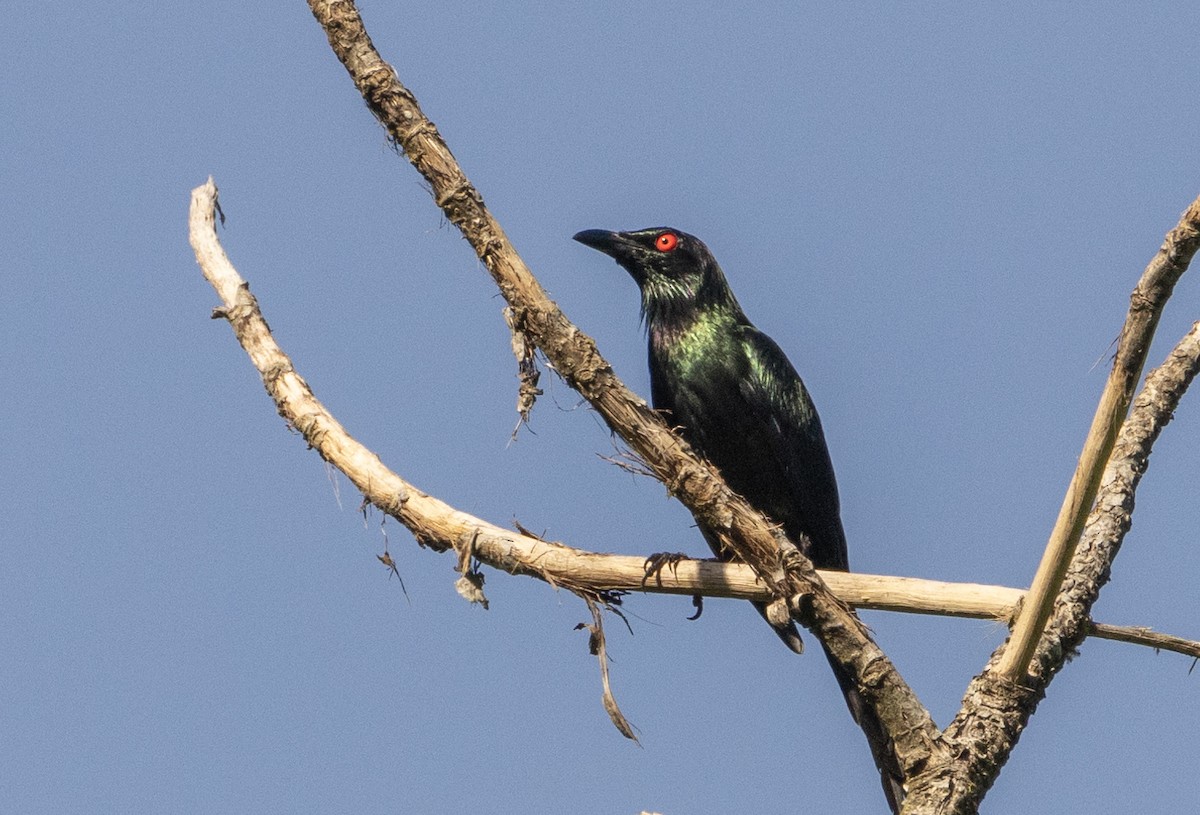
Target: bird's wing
<point x="808" y="496"/>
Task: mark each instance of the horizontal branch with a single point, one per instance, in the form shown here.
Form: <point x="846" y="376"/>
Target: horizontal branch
<point x="1139" y="635"/>
<point x="440" y="526"/>
<point x="712" y="578"/>
<point x="911" y="595"/>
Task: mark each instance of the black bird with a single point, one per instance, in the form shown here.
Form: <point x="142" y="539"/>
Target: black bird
<point x="735" y="397"/>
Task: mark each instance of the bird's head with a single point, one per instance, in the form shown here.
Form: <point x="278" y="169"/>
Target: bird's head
<point x="677" y="274"/>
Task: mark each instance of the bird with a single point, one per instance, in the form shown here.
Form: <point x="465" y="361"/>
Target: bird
<point x="736" y="398"/>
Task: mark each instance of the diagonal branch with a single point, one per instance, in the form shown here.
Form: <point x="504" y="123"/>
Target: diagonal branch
<point x="574" y="356"/>
<point x="1146" y="304"/>
<point x="996" y="711"/>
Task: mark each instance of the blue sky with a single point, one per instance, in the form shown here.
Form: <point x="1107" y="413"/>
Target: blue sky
<point x="937" y="211"/>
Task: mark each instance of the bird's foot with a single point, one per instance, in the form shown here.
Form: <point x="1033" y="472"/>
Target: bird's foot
<point x="657" y="562"/>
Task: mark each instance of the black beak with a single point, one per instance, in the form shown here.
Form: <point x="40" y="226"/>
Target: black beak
<point x="599" y="239"/>
<point x="619" y="246"/>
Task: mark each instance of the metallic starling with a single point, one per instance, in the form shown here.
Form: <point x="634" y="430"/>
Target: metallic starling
<point x="734" y="396"/>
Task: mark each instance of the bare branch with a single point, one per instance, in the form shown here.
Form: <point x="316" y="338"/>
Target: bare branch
<point x="995" y="711"/>
<point x="1138" y="635"/>
<point x="442" y="527"/>
<point x="945" y="772"/>
<point x="1146" y="304"/>
<point x="778" y="563"/>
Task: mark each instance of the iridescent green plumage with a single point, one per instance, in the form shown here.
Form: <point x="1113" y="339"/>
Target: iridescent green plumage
<point x="734" y="395"/>
<point x="730" y="390"/>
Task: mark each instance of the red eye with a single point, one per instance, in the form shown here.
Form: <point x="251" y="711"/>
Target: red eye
<point x="666" y="241"/>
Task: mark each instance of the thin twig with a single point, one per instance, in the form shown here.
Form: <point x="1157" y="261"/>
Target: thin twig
<point x="1139" y="635"/>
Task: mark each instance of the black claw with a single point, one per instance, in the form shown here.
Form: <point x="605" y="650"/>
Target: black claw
<point x="654" y="565"/>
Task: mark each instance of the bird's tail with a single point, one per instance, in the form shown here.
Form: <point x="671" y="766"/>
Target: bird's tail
<point x="883" y="751"/>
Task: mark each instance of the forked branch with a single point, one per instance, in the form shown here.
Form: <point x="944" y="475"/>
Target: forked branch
<point x="1145" y="306"/>
<point x="947" y="772"/>
<point x="996" y="711"/>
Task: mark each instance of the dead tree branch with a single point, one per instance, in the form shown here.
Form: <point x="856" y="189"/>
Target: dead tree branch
<point x="946" y="772"/>
<point x="442" y="527"/>
<point x="1145" y="306"/>
<point x="995" y="711"/>
<point x="778" y="563"/>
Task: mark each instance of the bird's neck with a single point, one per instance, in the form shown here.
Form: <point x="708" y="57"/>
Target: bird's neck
<point x="673" y="310"/>
<point x="692" y="332"/>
